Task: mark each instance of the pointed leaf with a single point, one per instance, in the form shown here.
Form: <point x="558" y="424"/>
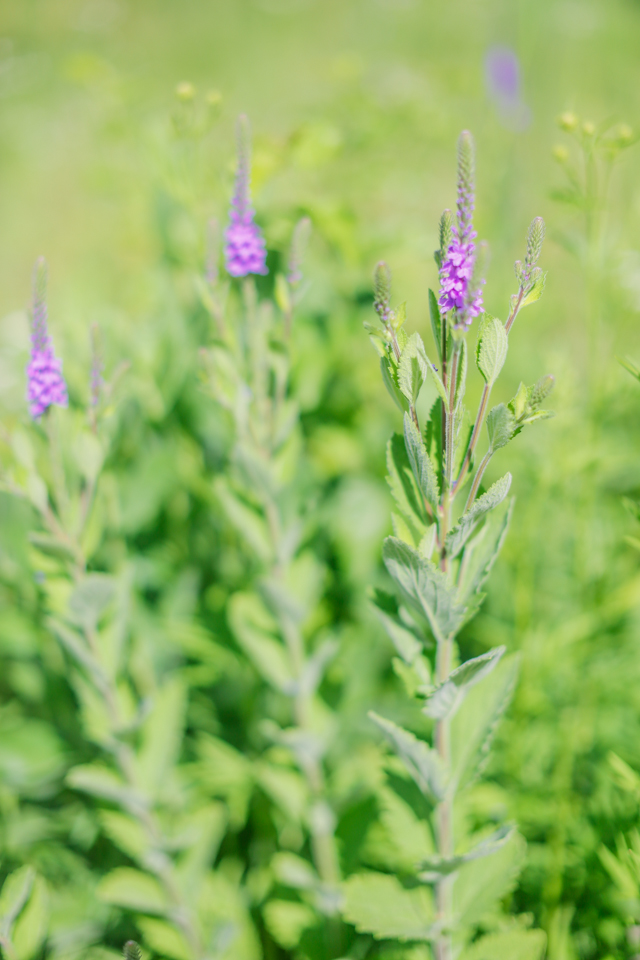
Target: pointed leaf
<point x="433" y="868"/>
<point x="536" y="290"/>
<point x="491" y="351"/>
<point x="512" y="944"/>
<point x="481" y="883"/>
<point x="445" y="700"/>
<point x="421" y="760"/>
<point x="133" y="890"/>
<point x="404" y="488"/>
<point x="436" y="322"/>
<point x="458" y="536"/>
<point x="501" y="426"/>
<point x="412" y="368"/>
<point x="421" y="464"/>
<point x="377" y="903"/>
<point x="424" y="587"/>
<point x="481" y="553"/>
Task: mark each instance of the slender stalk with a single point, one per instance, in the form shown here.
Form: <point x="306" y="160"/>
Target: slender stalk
<point x="484" y="463"/>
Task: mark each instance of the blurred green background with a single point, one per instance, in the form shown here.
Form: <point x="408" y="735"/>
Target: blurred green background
<point x="355" y="106"/>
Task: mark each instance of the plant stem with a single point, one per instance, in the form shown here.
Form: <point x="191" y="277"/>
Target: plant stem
<point x="444" y="812"/>
<point x="478" y="477"/>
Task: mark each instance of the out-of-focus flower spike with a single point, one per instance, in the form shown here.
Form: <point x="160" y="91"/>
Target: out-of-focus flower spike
<point x="382" y="291"/>
<point x="535" y="238"/>
<point x="132" y="951"/>
<point x="45" y="384"/>
<point x="299" y="241"/>
<point x="245" y="250"/>
<point x="446" y="237"/>
<point x="466" y="185"/>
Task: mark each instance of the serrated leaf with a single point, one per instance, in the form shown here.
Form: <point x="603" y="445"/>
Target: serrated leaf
<point x="511" y="944"/>
<point x="445" y="700"/>
<point x="421" y="760"/>
<point x="161" y="735"/>
<point x="501" y="426"/>
<point x="249" y="524"/>
<point x="405" y="642"/>
<point x="536" y="291"/>
<point x="412" y="368"/>
<point x="424" y="587"/>
<point x="377" y="903"/>
<point x="133" y="890"/>
<point x="294" y="872"/>
<point x="491" y="350"/>
<point x="421" y="465"/>
<point x="458" y="536"/>
<point x="100" y="781"/>
<point x="474" y="725"/>
<point x="481" y="883"/>
<point x="404" y="488"/>
<point x="481" y="553"/>
<point x="433" y="868"/>
<point x="389" y="379"/>
<point x="436" y="322"/>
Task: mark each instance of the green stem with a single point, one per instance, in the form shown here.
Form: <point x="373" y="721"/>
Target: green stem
<point x="484" y="463"/>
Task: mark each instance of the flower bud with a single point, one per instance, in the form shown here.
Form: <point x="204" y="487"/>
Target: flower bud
<point x="568" y="121"/>
<point x="185" y="92"/>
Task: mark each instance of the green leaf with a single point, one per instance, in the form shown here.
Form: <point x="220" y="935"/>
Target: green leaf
<point x="445" y="700"/>
<point x="406" y="839"/>
<point x="481" y="553"/>
<point x="90" y="599"/>
<point x="501" y="425"/>
<point x="249" y="524"/>
<point x="164" y="939"/>
<point x="436" y="322"/>
<point x="508" y="945"/>
<point x="31" y="927"/>
<point x="226" y="773"/>
<point x="458" y="536"/>
<point x="293" y="871"/>
<point x="433" y="868"/>
<point x="133" y="890"/>
<point x="491" y="350"/>
<point x="15" y="893"/>
<point x="162" y="735"/>
<point x="287" y="920"/>
<point x="412" y="368"/>
<point x="100" y="781"/>
<point x="405" y="642"/>
<point x="389" y="375"/>
<point x="126" y="832"/>
<point x="403" y="486"/>
<point x="480" y="883"/>
<point x="254" y="629"/>
<point x="421" y="464"/>
<point x="421" y="760"/>
<point x="378" y="904"/>
<point x="536" y="290"/>
<point x="474" y="725"/>
<point x="424" y="587"/>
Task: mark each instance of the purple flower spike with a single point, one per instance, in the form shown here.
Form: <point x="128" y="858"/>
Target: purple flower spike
<point x="245" y="251"/>
<point x="45" y="383"/>
<point x="503" y="81"/>
<point x="457" y="292"/>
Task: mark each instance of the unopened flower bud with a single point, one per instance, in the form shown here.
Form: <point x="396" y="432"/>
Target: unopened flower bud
<point x="542" y="389"/>
<point x="568" y="121"/>
<point x="535" y="237"/>
<point x="588" y="128"/>
<point x="185" y="92"/>
<point x="132" y="951"/>
<point x="560" y="153"/>
<point x="382" y="290"/>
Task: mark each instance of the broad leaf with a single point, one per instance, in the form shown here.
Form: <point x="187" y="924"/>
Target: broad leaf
<point x="481" y="883"/>
<point x="412" y="368"/>
<point x="501" y="426"/>
<point x="31" y="926"/>
<point x="536" y="290"/>
<point x="445" y="700"/>
<point x="511" y="944"/>
<point x="16" y="891"/>
<point x="436" y="322"/>
<point x="491" y="351"/>
<point x="164" y="939"/>
<point x="421" y="760"/>
<point x="421" y="464"/>
<point x="458" y="536"/>
<point x="254" y="630"/>
<point x="405" y="642"/>
<point x="424" y="587"/>
<point x="377" y="903"/>
<point x="480" y="555"/>
<point x="162" y="736"/>
<point x="287" y="920"/>
<point x="133" y="890"/>
<point x="404" y="488"/>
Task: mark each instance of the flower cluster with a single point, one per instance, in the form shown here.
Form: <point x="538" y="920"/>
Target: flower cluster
<point x="245" y="251"/>
<point x="45" y="384"/>
<point x="460" y="288"/>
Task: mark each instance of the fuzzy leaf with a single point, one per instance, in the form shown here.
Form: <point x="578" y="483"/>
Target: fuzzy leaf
<point x="405" y="642"/>
<point x="536" y="291"/>
<point x="433" y="868"/>
<point x="421" y="464"/>
<point x="436" y="322"/>
<point x="164" y="939"/>
<point x="474" y="725"/>
<point x="511" y="944"/>
<point x="458" y="536"/>
<point x="481" y="883"/>
<point x="421" y="760"/>
<point x="389" y="379"/>
<point x="31" y="927"/>
<point x="445" y="700"/>
<point x="287" y="920"/>
<point x="403" y="486"/>
<point x="501" y="426"/>
<point x="15" y="893"/>
<point x="481" y="553"/>
<point x="254" y="630"/>
<point x="377" y="903"/>
<point x="424" y="587"/>
<point x="412" y="368"/>
<point x="162" y="735"/>
<point x="491" y="350"/>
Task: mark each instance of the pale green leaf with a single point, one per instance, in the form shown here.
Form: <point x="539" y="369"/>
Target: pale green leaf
<point x="481" y="553"/>
<point x="508" y="945"/>
<point x="164" y="939"/>
<point x="458" y="536"/>
<point x="436" y="321"/>
<point x="293" y="871"/>
<point x="474" y="725"/>
<point x="405" y="642"/>
<point x="127" y="833"/>
<point x="161" y="735"/>
<point x="536" y="291"/>
<point x="31" y="926"/>
<point x="287" y="920"/>
<point x="433" y="868"/>
<point x="501" y="426"/>
<point x="445" y="700"/>
<point x="100" y="781"/>
<point x="226" y="773"/>
<point x="421" y="465"/>
<point x="377" y="903"/>
<point x="90" y="598"/>
<point x="421" y="760"/>
<point x="404" y="488"/>
<point x="481" y="883"/>
<point x="254" y="629"/>
<point x="389" y="379"/>
<point x="133" y="890"/>
<point x="424" y="587"/>
<point x="412" y="368"/>
<point x="491" y="350"/>
<point x="15" y="893"/>
<point x="249" y="524"/>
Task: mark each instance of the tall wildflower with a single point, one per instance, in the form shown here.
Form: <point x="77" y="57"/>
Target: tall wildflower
<point x="460" y="290"/>
<point x="245" y="251"/>
<point x="45" y="384"/>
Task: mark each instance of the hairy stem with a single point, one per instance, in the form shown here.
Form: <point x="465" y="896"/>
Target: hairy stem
<point x="484" y="463"/>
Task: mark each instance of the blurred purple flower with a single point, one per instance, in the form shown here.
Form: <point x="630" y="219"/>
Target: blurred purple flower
<point x="503" y="81"/>
<point x="245" y="251"/>
<point x="45" y="384"/>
